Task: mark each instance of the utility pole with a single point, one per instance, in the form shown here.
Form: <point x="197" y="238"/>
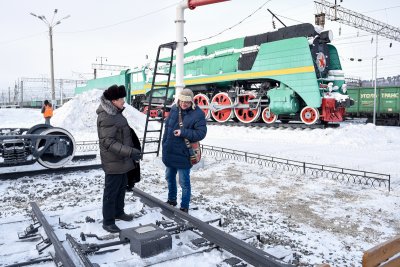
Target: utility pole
<point x="376" y="75"/>
<point x="22" y="93"/>
<point x="15" y="100"/>
<point x="51" y="25"/>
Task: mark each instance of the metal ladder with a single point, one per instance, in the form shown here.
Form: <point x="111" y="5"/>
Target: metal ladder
<point x="154" y="86"/>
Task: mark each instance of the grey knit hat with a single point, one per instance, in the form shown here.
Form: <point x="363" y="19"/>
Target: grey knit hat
<point x="187" y="95"/>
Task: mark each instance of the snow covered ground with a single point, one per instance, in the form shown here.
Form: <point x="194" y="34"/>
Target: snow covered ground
<point x="302" y="219"/>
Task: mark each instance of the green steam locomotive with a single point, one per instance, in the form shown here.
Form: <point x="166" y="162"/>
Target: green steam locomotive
<point x="293" y="73"/>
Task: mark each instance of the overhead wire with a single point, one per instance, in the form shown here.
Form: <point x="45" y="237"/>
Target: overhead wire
<point x="98" y="28"/>
<point x="233" y="26"/>
<point x="124" y="21"/>
<point x="22" y="38"/>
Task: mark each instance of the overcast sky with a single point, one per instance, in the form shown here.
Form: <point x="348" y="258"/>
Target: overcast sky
<point x="125" y="31"/>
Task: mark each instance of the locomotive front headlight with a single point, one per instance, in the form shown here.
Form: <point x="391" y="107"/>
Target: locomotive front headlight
<point x="344" y="88"/>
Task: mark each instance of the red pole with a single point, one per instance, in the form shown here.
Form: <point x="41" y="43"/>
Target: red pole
<point x="195" y="3"/>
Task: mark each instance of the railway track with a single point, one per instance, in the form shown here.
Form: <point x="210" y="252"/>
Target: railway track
<point x="201" y="238"/>
<point x="275" y="125"/>
<point x="65" y="169"/>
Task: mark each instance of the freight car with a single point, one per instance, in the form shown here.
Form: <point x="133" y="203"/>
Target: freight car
<point x="293" y="73"/>
<point x="387" y="105"/>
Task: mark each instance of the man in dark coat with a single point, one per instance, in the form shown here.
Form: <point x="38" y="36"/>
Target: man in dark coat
<point x="118" y="154"/>
<point x="175" y="153"/>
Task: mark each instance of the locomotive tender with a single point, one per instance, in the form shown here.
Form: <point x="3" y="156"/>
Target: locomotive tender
<point x="289" y="74"/>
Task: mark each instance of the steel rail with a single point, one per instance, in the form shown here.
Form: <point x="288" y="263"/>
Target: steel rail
<point x="275" y="125"/>
<point x="61" y="257"/>
<point x="67" y="169"/>
<point x="229" y="243"/>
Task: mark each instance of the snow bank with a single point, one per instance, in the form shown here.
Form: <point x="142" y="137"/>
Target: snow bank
<point x="79" y="116"/>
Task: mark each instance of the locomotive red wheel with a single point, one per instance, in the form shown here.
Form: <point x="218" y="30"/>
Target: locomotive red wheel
<point x="203" y="102"/>
<point x="247" y="115"/>
<point x="268" y="116"/>
<point x="309" y="115"/>
<point x="223" y="115"/>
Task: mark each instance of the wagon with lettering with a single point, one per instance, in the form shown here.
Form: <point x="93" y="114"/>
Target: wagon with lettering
<point x="387" y="104"/>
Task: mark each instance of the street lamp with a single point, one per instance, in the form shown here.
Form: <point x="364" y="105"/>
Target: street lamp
<point x="374" y="77"/>
<point x="51" y="25"/>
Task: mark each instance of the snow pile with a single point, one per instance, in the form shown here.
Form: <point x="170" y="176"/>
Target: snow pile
<point x="79" y="116"/>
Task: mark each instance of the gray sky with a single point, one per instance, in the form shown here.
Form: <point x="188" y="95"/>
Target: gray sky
<point x="125" y="31"/>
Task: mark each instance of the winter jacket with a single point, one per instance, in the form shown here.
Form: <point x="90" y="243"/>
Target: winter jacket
<point x="175" y="152"/>
<point x="47" y="111"/>
<point x="115" y="139"/>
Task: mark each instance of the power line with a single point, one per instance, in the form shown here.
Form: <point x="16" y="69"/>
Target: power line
<point x="381" y="9"/>
<point x="22" y="38"/>
<point x="231" y="27"/>
<point x="93" y="29"/>
<point x="124" y="21"/>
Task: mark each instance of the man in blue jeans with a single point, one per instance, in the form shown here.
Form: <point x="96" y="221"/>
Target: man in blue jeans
<point x="175" y="153"/>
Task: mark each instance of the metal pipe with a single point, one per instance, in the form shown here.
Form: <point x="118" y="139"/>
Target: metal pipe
<point x="180" y="22"/>
<point x="195" y="3"/>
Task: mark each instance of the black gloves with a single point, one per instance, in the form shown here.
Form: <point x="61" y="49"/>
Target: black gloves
<point x="136" y="154"/>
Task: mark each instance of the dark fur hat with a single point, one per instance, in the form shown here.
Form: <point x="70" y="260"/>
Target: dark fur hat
<point x="114" y="92"/>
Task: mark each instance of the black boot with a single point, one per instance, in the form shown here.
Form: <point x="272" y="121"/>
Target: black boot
<point x="184" y="210"/>
<point x="172" y="202"/>
<point x="112" y="228"/>
<point x="124" y="217"/>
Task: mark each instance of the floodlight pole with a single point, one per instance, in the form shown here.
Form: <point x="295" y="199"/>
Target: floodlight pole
<point x="53" y="93"/>
<point x="376" y="74"/>
<point x="180" y="22"/>
<point x="51" y="25"/>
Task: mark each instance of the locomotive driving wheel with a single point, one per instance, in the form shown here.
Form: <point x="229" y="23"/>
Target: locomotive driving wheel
<point x="222" y="115"/>
<point x="309" y="115"/>
<point x="203" y="102"/>
<point x="247" y="115"/>
<point x="268" y="116"/>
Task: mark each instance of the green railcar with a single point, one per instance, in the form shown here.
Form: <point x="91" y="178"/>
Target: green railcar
<point x="103" y="83"/>
<point x="387" y="104"/>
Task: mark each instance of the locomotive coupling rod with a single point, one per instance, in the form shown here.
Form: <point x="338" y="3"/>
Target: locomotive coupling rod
<point x="237" y="247"/>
